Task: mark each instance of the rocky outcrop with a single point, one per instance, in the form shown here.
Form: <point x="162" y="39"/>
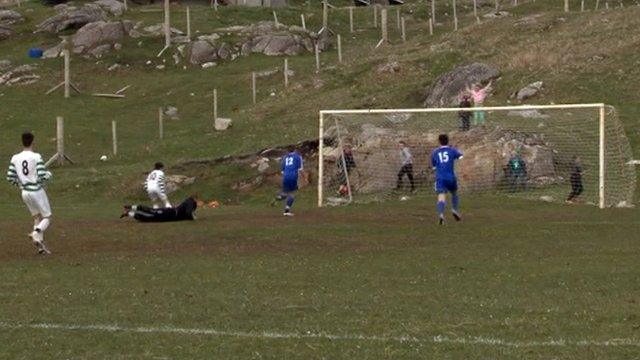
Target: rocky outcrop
<point x="528" y="91"/>
<point x="5" y="32"/>
<point x="69" y="17"/>
<point x="113" y="7"/>
<point x="95" y="38"/>
<point x="446" y="89"/>
<point x="19" y="75"/>
<point x="264" y="37"/>
<point x="486" y="155"/>
<point x="8" y="17"/>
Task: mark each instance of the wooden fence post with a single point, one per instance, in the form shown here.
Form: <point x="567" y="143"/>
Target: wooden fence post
<point x="114" y="135"/>
<point x="566" y="6"/>
<point x="67" y="73"/>
<point x="351" y="18"/>
<point x="60" y="140"/>
<point x="475" y="8"/>
<point x="433" y="12"/>
<point x="286" y="73"/>
<point x="189" y="23"/>
<point x="275" y="17"/>
<point x="304" y="24"/>
<point x="375" y="16"/>
<point x="403" y="30"/>
<point x="325" y="15"/>
<point x="339" y="49"/>
<point x="455" y="16"/>
<point x="430" y="26"/>
<point x="383" y="25"/>
<point x="253" y="86"/>
<point x="398" y="18"/>
<point x="167" y="24"/>
<point x="317" y="51"/>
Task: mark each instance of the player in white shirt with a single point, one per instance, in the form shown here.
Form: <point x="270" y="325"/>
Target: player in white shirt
<point x="155" y="187"/>
<point x="27" y="171"/>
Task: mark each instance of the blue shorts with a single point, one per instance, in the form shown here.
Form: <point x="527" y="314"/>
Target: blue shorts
<point x="289" y="185"/>
<point x="444" y="186"/>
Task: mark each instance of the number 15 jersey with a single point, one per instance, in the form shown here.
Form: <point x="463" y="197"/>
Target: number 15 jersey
<point x="443" y="160"/>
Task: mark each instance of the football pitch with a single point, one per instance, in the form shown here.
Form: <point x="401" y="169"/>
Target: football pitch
<point x="516" y="279"/>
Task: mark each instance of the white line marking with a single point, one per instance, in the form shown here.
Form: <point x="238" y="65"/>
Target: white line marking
<point x="438" y="339"/>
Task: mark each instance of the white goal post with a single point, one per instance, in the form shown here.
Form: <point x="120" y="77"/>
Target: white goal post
<point x="585" y="127"/>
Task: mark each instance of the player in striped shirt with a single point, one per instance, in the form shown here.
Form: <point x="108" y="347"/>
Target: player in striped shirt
<point x="27" y="171"/>
<point x="156" y="188"/>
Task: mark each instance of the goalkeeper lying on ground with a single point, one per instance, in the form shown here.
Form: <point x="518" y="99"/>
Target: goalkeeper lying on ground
<point x="184" y="211"/>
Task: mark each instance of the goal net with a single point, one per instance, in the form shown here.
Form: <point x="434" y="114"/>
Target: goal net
<point x="543" y="152"/>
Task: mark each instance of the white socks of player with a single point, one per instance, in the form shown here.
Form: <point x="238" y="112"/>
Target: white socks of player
<point x="42" y="225"/>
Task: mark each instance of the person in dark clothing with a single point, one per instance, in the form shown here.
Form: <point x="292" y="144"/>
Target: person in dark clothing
<point x="184" y="211"/>
<point x="517" y="172"/>
<point x="407" y="166"/>
<point x="576" y="180"/>
<point x="464" y="115"/>
<point x="348" y="164"/>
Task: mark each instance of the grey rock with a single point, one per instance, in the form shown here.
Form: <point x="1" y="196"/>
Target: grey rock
<point x="4" y="64"/>
<point x="100" y="50"/>
<point x="8" y="17"/>
<point x="171" y="111"/>
<point x="202" y="52"/>
<point x="174" y="183"/>
<point x="389" y="68"/>
<point x="19" y="75"/>
<point x="222" y="124"/>
<point x="528" y="91"/>
<point x="497" y="14"/>
<point x="70" y="17"/>
<point x="445" y="90"/>
<point x="5" y="32"/>
<point x="114" y="7"/>
<point x="96" y="38"/>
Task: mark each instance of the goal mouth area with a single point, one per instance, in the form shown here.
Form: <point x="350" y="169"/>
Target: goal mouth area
<point x="554" y="142"/>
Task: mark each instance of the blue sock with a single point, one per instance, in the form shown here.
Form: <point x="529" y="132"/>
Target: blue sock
<point x="455" y="201"/>
<point x="290" y="200"/>
<point x="441" y="205"/>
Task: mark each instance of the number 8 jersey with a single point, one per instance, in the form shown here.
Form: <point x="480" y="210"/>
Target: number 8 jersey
<point x="443" y="161"/>
<point x="27" y="171"/>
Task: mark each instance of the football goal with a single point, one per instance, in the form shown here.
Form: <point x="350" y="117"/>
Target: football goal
<point x="576" y="152"/>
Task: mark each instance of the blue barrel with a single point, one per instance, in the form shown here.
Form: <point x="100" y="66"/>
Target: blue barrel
<point x="35" y="53"/>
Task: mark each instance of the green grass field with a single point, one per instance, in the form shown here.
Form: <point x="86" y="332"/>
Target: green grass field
<point x="377" y="281"/>
<point x="517" y="279"/>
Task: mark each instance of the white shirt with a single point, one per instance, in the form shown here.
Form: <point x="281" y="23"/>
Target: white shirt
<point x="27" y="170"/>
<point x="155" y="181"/>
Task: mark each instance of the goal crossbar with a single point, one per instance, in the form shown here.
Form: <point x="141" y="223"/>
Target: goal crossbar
<point x="483" y="108"/>
<point x="601" y="132"/>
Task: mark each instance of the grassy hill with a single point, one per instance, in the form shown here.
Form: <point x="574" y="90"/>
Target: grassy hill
<point x="556" y="48"/>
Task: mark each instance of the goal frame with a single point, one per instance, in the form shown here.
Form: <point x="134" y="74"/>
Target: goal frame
<point x="601" y="141"/>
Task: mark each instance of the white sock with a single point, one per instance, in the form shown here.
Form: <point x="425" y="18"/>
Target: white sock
<point x="131" y="213"/>
<point x="134" y="207"/>
<point x="167" y="204"/>
<point x="43" y="225"/>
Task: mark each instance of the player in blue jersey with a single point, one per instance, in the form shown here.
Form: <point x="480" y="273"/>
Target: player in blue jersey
<point x="291" y="167"/>
<point x="443" y="160"/>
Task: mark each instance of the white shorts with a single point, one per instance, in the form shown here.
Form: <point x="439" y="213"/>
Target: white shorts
<point x="37" y="202"/>
<point x="157" y="195"/>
